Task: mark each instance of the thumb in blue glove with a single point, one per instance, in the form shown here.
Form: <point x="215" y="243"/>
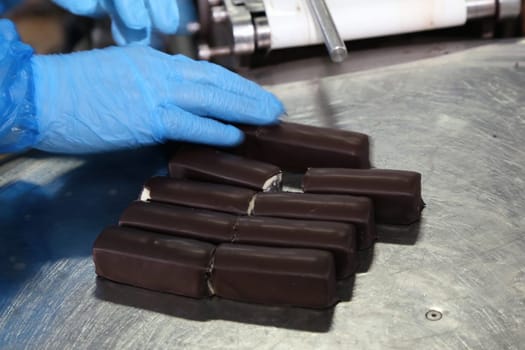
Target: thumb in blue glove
<point x="123" y="97"/>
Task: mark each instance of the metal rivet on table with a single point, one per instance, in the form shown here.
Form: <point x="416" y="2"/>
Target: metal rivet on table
<point x="433" y="315"/>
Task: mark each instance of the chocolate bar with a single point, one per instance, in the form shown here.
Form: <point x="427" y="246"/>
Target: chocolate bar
<point x="297" y="147"/>
<point x="206" y="164"/>
<point x="230" y="199"/>
<point x="277" y="276"/>
<point x="337" y="238"/>
<point x="153" y="261"/>
<point x="185" y="222"/>
<point x="215" y="227"/>
<point x="325" y="207"/>
<point x="396" y="194"/>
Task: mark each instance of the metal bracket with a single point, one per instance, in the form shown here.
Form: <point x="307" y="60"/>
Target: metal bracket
<point x="243" y="31"/>
<point x="248" y="29"/>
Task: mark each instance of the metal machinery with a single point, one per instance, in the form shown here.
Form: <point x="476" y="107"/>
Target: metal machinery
<point x="246" y="27"/>
<point x="456" y="280"/>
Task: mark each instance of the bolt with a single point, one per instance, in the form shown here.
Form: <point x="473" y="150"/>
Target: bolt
<point x="433" y="315"/>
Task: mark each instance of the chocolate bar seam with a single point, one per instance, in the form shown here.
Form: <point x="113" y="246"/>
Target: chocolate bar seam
<point x="163" y="266"/>
<point x="209" y="272"/>
<point x="220" y="228"/>
<point x="209" y="196"/>
<point x="235" y="230"/>
<point x="203" y="163"/>
<point x="211" y="266"/>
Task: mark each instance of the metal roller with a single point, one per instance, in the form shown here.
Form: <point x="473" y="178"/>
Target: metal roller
<point x="262" y="25"/>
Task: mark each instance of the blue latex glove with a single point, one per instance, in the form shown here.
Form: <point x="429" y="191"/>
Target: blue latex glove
<point x="123" y="97"/>
<point x="137" y="21"/>
<point x="18" y="127"/>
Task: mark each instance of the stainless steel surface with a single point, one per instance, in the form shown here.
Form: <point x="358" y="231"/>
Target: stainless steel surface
<point x="459" y="119"/>
<point x="334" y="43"/>
<point x="481" y="8"/>
<point x="365" y="59"/>
<point x="509" y="9"/>
<point x="239" y="25"/>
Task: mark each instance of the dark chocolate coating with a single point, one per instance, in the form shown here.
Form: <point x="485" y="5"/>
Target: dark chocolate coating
<point x="396" y="193"/>
<point x="206" y="164"/>
<point x="325" y="207"/>
<point x="297" y="147"/>
<point x="153" y="261"/>
<point x="230" y="199"/>
<point x="337" y="238"/>
<point x="277" y="276"/>
<point x="185" y="222"/>
<point x="216" y="227"/>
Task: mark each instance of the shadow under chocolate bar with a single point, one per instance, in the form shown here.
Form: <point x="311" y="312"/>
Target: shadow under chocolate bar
<point x="219" y="309"/>
<point x="297" y="147"/>
<point x="337" y="238"/>
<point x="396" y="194"/>
<point x="204" y="195"/>
<point x="207" y="164"/>
<point x="277" y="276"/>
<point x="326" y="207"/>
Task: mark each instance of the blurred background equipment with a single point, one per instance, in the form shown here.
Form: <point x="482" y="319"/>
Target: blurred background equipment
<point x="48" y="28"/>
<point x="257" y="27"/>
<point x="249" y="33"/>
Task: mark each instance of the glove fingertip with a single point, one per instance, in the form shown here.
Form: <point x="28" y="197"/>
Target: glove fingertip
<point x="234" y="137"/>
<point x="133" y="14"/>
<point x="273" y="111"/>
<point x="225" y="136"/>
<point x="165" y="16"/>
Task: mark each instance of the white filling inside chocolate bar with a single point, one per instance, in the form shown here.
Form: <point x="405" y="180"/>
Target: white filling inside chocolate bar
<point x="145" y="196"/>
<point x="251" y="205"/>
<point x="209" y="271"/>
<point x="273" y="183"/>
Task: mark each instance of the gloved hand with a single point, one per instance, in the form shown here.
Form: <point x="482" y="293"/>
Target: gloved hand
<point x="123" y="97"/>
<point x="136" y="21"/>
<point x="18" y="128"/>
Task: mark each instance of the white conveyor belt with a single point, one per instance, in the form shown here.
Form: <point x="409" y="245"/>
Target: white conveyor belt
<point x="292" y="24"/>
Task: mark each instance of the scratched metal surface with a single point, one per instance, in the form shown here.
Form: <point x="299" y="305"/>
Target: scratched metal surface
<point x="458" y="119"/>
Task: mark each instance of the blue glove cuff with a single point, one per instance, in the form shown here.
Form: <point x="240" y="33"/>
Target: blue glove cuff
<point x="18" y="125"/>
